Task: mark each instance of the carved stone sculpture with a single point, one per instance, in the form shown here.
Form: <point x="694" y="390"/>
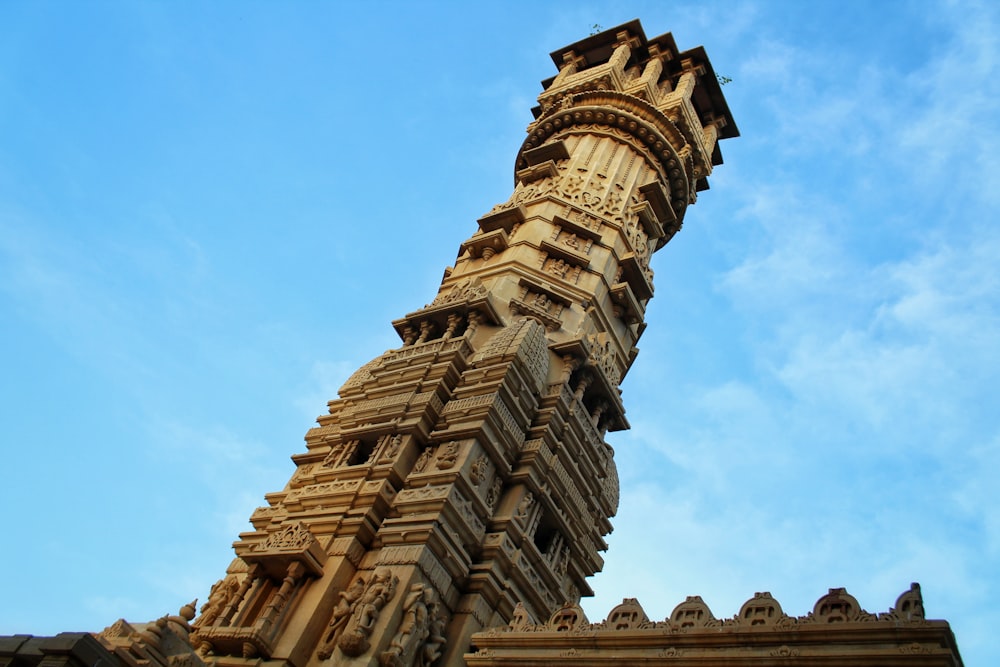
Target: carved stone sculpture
<point x="419" y="640"/>
<point x="341" y="614"/>
<point x="380" y="589"/>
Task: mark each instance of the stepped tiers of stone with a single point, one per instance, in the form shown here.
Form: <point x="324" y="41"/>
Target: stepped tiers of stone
<point x="462" y="481"/>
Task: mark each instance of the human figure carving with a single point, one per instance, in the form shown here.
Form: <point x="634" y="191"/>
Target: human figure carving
<point x="494" y="493"/>
<point x="354" y="640"/>
<point x="525" y="505"/>
<point x="393" y="447"/>
<point x="341" y="613"/>
<point x="447" y="456"/>
<point x="419" y="639"/>
<point x="423" y="460"/>
<point x="558" y="267"/>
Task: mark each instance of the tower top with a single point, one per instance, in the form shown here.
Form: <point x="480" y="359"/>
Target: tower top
<point x="597" y="49"/>
<point x="673" y="100"/>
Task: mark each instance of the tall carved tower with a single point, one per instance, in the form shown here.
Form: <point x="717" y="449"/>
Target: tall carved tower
<point x="466" y="471"/>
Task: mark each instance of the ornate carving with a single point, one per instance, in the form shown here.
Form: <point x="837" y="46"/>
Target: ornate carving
<point x="293" y="537"/>
<point x="524" y="507"/>
<point x="423" y="459"/>
<point x="603" y="357"/>
<point x="568" y="617"/>
<point x="493" y="495"/>
<point x="361" y="376"/>
<point x="420" y="638"/>
<point x="478" y="470"/>
<point x="121" y="627"/>
<point x="447" y="455"/>
<point x="838" y="606"/>
<point x="467" y="290"/>
<point x="909" y="606"/>
<point x="761" y="609"/>
<point x="629" y="615"/>
<point x="392" y="447"/>
<point x="693" y="613"/>
<point x="365" y="611"/>
<point x="218" y="597"/>
<point x="333" y="459"/>
<point x="341" y="614"/>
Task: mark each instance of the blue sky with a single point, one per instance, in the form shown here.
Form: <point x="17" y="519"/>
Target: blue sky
<point x="209" y="214"/>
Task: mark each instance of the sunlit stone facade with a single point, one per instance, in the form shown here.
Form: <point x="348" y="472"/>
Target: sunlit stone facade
<point x="451" y="504"/>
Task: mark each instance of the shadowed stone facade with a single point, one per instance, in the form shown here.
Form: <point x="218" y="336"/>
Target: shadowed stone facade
<point x="460" y="486"/>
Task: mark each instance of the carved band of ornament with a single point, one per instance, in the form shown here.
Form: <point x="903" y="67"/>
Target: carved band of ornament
<point x="423" y="493"/>
<point x="412" y="351"/>
<point x="328" y="488"/>
<point x="577" y="506"/>
<point x="384" y="402"/>
<point x="581" y="224"/>
<point x="508" y="420"/>
<point x="465" y="404"/>
<point x="528" y="309"/>
<point x="409" y="555"/>
<point x="669" y="172"/>
<point x="348" y="547"/>
<point x="294" y="537"/>
<point x="655" y="133"/>
<point x="612" y="487"/>
<point x="467" y="290"/>
<point x="526" y="193"/>
<point x="618" y="103"/>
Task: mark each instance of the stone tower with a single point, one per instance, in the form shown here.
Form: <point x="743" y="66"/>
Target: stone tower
<point x="466" y="471"/>
<point x="451" y="504"/>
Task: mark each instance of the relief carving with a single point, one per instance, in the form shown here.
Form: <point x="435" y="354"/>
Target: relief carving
<point x="420" y="638"/>
<point x="447" y="455"/>
<point x="493" y="495"/>
<point x="524" y="507"/>
<point x="392" y="448"/>
<point x="218" y="597"/>
<point x="365" y="611"/>
<point x="478" y="470"/>
<point x="293" y="537"/>
<point x="423" y="459"/>
<point x="341" y="614"/>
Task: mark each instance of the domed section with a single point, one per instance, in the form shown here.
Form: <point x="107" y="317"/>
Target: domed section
<point x="761" y="609"/>
<point x="692" y="613"/>
<point x="837" y="606"/>
<point x="568" y="617"/>
<point x="360" y="377"/>
<point x="629" y="615"/>
<point x="524" y="339"/>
